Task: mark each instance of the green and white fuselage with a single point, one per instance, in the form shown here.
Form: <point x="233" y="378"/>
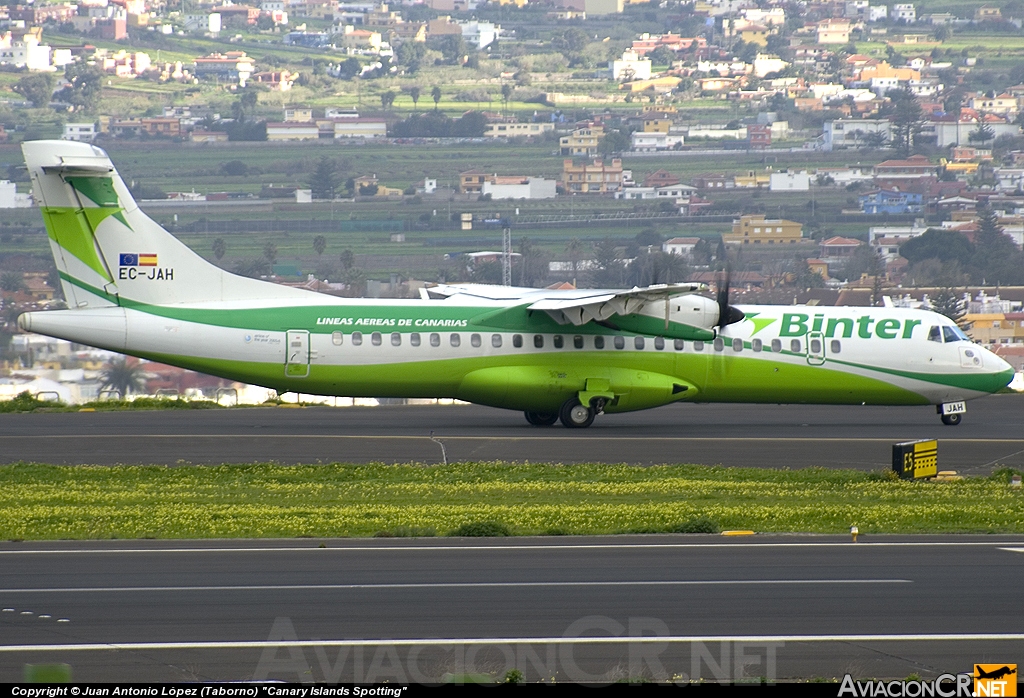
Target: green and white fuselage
<point x="133" y="288"/>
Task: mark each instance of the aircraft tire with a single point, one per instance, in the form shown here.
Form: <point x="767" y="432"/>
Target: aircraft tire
<point x="541" y="419"/>
<point x="575" y="416"/>
<point x="951" y="420"/>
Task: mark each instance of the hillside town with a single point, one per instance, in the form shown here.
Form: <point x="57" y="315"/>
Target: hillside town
<point x="826" y="153"/>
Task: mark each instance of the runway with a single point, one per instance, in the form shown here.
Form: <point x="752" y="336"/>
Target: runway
<point x="568" y="609"/>
<point x="991" y="436"/>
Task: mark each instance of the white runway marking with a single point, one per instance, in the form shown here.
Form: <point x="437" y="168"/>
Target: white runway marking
<point x="491" y="548"/>
<point x="426" y="642"/>
<point x="457" y="585"/>
<point x="588" y="438"/>
<point x="1013" y="550"/>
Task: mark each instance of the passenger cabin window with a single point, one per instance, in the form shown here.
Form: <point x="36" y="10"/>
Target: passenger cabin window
<point x="659" y="343"/>
<point x="599" y="342"/>
<point x="719" y="344"/>
<point x="357" y="338"/>
<point x="435" y="339"/>
<point x="638" y="342"/>
<point x="496" y="341"/>
<point x="794" y="346"/>
<point x="375" y="339"/>
<point x="620" y="342"/>
<point x="678" y="344"/>
<point x="836" y="346"/>
<point x="577" y="341"/>
<point x="414" y="339"/>
<point x="338" y="338"/>
<point x="815" y="346"/>
<point x="396" y="339"/>
<point x="558" y="341"/>
<point x="538" y="341"/>
<point x="935" y="334"/>
<point x="776" y="345"/>
<point x="737" y="344"/>
<point x="455" y="339"/>
<point x="756" y="344"/>
<point x="475" y="340"/>
<point x="517" y="341"/>
<point x="698" y="345"/>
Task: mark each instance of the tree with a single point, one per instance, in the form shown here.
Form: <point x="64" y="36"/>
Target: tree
<point x="347" y="259"/>
<point x="234" y="168"/>
<point x="574" y="248"/>
<point x="907" y="120"/>
<point x="662" y="55"/>
<point x="323" y="183"/>
<point x="410" y="54"/>
<point x="950" y="302"/>
<point x="12" y="282"/>
<point x="350" y="68"/>
<point x="123" y="375"/>
<point x="614" y="142"/>
<point x="319" y="244"/>
<point x="243" y="107"/>
<point x="37" y="88"/>
<point x="453" y="48"/>
<point x="387" y="99"/>
<point x="996" y="258"/>
<point x="506" y="95"/>
<point x="571" y="43"/>
<point x="254" y="268"/>
<point x="415" y="92"/>
<point x="981" y="134"/>
<point x="220" y="248"/>
<point x="270" y="252"/>
<point x="84" y="88"/>
<point x="435" y="94"/>
<point x="935" y="243"/>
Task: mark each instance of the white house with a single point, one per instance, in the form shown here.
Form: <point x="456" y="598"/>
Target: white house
<point x="680" y="246"/>
<point x="631" y="67"/>
<point x="83" y="132"/>
<point x="851" y="133"/>
<point x="789" y="181"/>
<point x="528" y="188"/>
<point x="10" y="198"/>
<point x="25" y="52"/>
<point x="479" y="34"/>
<point x="878" y="13"/>
<point x="641" y="142"/>
<point x="1008" y="178"/>
<point x="904" y="13"/>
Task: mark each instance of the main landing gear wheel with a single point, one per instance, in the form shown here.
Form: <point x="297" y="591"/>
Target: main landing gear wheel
<point x="541" y="419"/>
<point x="576" y="416"/>
<point x="951" y="419"/>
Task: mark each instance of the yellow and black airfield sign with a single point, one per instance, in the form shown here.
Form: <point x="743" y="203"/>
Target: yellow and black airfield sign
<point x="916" y="459"/>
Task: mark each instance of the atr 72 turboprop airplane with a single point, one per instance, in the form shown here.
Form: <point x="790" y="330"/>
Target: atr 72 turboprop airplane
<point x="132" y="287"/>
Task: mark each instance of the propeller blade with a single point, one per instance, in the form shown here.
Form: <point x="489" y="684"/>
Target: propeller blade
<point x="727" y="314"/>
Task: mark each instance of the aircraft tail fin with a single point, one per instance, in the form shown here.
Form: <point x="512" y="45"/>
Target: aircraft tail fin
<point x="107" y="250"/>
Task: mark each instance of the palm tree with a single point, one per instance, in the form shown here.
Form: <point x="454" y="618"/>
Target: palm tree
<point x="435" y="93"/>
<point x="319" y="244"/>
<point x="387" y="99"/>
<point x="415" y="92"/>
<point x="506" y="94"/>
<point x="220" y="248"/>
<point x="123" y="375"/>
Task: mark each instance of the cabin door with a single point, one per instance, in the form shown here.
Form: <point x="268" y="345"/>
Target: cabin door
<point x="297" y="354"/>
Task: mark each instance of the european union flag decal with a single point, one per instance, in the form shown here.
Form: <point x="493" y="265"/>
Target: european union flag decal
<point x="129" y="260"/>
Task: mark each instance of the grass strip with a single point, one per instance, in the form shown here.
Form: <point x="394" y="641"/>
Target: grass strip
<point x="46" y="502"/>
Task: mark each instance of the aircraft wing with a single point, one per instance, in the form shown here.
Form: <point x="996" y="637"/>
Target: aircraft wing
<point x="601" y="305"/>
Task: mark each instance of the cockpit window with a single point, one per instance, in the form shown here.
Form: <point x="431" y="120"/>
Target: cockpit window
<point x="954" y="334"/>
<point x="935" y="334"/>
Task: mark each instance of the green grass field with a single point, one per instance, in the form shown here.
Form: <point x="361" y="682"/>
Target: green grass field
<point x="45" y="502"/>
